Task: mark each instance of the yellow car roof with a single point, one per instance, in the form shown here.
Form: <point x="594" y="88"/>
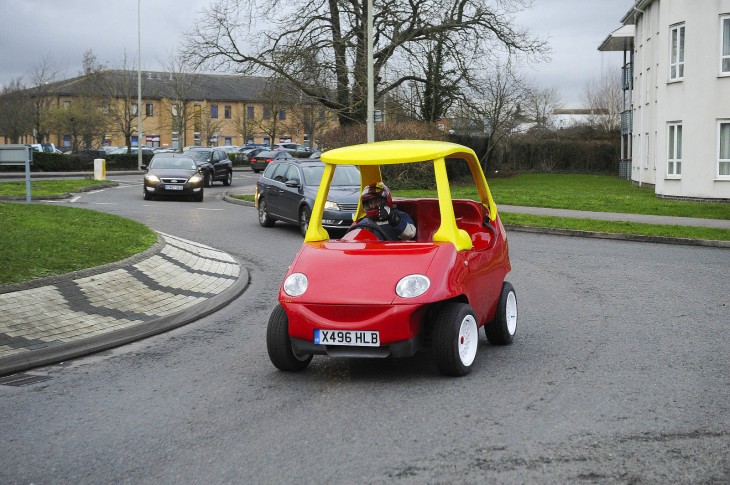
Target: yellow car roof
<point x="395" y="151"/>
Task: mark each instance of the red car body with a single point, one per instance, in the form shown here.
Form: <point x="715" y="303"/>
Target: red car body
<point x="351" y="286"/>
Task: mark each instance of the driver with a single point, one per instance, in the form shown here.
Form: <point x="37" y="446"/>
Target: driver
<point x="377" y="202"/>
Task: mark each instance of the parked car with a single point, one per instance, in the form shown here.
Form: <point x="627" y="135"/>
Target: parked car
<point x="293" y="148"/>
<point x="262" y="159"/>
<point x="287" y="189"/>
<point x="173" y="174"/>
<point x="362" y="297"/>
<point x="214" y="164"/>
<point x="245" y="155"/>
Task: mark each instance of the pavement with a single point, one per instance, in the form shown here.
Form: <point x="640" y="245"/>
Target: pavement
<point x="54" y="319"/>
<point x="173" y="283"/>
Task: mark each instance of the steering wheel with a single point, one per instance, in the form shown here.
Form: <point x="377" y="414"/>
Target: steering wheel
<point x="370" y="226"/>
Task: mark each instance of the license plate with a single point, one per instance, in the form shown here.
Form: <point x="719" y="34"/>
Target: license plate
<point x="173" y="187"/>
<point x="357" y="338"/>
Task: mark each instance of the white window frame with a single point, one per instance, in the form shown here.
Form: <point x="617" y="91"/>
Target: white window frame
<point x="723" y="150"/>
<point x="674" y="149"/>
<point x="676" y="57"/>
<point x="725" y="45"/>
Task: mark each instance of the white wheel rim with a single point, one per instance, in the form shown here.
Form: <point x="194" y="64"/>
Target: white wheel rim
<point x="511" y="313"/>
<point x="468" y="340"/>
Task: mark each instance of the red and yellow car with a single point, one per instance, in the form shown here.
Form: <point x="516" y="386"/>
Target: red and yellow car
<point x="361" y="297"/>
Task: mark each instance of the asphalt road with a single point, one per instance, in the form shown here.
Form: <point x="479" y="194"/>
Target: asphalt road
<point x="619" y="374"/>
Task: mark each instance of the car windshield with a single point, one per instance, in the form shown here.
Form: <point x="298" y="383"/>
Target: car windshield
<point x="174" y="163"/>
<point x="345" y="175"/>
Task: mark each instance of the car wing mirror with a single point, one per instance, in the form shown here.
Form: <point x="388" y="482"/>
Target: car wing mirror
<point x="292" y="183"/>
<point x="143" y="167"/>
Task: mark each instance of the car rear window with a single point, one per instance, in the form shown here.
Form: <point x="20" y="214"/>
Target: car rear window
<point x="345" y="175"/>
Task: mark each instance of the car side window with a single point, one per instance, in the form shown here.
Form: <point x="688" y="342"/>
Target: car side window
<point x="292" y="175"/>
<point x="270" y="169"/>
<point x="280" y="173"/>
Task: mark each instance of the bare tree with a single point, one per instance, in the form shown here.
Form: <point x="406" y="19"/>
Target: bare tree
<point x="278" y="99"/>
<point x="119" y="93"/>
<point x="209" y="127"/>
<point x="183" y="81"/>
<point x="245" y="123"/>
<point x="540" y="104"/>
<point x="15" y="111"/>
<point x="603" y="97"/>
<point x="43" y="73"/>
<point x="494" y="108"/>
<point x="323" y="55"/>
<point x="82" y="120"/>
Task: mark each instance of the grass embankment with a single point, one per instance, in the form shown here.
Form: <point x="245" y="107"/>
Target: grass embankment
<point x="41" y="240"/>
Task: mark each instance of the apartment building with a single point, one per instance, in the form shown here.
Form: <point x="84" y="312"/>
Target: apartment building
<point x="676" y="118"/>
<point x="185" y="109"/>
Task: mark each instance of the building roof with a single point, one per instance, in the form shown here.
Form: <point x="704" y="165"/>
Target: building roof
<point x="158" y="85"/>
<point x="620" y="39"/>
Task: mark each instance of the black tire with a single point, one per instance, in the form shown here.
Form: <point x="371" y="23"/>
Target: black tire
<point x="304" y="215"/>
<point x="229" y="178"/>
<point x="255" y="170"/>
<point x="264" y="218"/>
<point x="455" y="339"/>
<point x="147" y="195"/>
<point x="278" y="343"/>
<point x="502" y="330"/>
<point x="199" y="197"/>
<point x="208" y="179"/>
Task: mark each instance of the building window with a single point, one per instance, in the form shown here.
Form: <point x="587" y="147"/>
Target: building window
<point x="249" y="112"/>
<point x="66" y="141"/>
<point x="214" y="111"/>
<point x="723" y="158"/>
<point x="676" y="53"/>
<point x="134" y="109"/>
<point x="227" y="111"/>
<point x="66" y="104"/>
<point x="267" y="112"/>
<point x="175" y="110"/>
<point x="725" y="46"/>
<point x="282" y="115"/>
<point x="149" y="110"/>
<point x="674" y="150"/>
<point x="175" y="140"/>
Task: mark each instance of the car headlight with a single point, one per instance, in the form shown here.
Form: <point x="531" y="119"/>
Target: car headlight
<point x="195" y="178"/>
<point x="412" y="286"/>
<point x="331" y="205"/>
<point x="153" y="179"/>
<point x="295" y="284"/>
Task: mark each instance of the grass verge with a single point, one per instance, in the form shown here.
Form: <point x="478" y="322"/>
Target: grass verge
<point x="620" y="227"/>
<point x="47" y="188"/>
<point x="42" y="240"/>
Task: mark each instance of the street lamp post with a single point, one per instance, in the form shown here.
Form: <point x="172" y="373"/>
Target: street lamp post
<point x="139" y="86"/>
<point x="371" y="75"/>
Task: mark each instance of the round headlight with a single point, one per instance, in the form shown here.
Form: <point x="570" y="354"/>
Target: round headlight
<point x="295" y="284"/>
<point x="412" y="286"/>
<point x="153" y="179"/>
<point x="196" y="178"/>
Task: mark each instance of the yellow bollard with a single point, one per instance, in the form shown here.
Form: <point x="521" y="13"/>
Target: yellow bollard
<point x="99" y="169"/>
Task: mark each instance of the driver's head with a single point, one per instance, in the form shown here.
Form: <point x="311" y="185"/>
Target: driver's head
<point x="375" y="199"/>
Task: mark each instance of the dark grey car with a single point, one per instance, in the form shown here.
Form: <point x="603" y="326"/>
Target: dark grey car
<point x="213" y="163"/>
<point x="287" y="189"/>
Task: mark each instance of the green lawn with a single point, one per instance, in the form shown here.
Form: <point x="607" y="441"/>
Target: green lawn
<point x="45" y="188"/>
<point x="600" y="193"/>
<point x="41" y="240"/>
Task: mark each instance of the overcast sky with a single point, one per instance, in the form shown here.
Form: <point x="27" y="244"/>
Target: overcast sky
<point x="62" y="30"/>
